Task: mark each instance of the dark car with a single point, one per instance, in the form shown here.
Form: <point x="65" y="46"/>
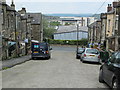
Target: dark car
<point x="110" y="71"/>
<point x="79" y="53"/>
<point x="41" y="50"/>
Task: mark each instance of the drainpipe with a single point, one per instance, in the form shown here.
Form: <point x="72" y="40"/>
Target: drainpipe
<point x="16" y="35"/>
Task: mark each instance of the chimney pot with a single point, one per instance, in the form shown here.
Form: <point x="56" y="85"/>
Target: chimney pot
<point x="109" y="8"/>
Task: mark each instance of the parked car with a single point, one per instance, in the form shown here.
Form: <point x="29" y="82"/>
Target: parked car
<point x="41" y="50"/>
<point x="110" y="71"/>
<point x="79" y="53"/>
<point x="90" y="55"/>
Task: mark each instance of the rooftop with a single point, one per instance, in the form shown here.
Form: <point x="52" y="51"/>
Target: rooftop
<point x="36" y="17"/>
<point x="71" y="28"/>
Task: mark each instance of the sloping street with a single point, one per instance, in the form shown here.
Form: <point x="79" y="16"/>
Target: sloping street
<point x="61" y="71"/>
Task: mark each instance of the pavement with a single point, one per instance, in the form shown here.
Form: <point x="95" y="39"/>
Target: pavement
<point x="15" y="61"/>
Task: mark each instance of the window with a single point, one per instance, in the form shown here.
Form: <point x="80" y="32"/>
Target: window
<point x="92" y="51"/>
<point x="118" y="58"/>
<point x="112" y="58"/>
<point x="80" y="50"/>
<point x="109" y="21"/>
<point x="36" y="46"/>
<point x="115" y="58"/>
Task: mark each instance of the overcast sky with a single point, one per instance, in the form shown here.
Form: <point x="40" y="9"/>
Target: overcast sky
<point x="62" y="6"/>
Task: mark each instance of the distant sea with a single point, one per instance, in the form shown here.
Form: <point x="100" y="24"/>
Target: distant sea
<point x="70" y="15"/>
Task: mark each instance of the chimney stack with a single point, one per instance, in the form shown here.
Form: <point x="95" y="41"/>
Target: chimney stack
<point x="13" y="5"/>
<point x="115" y="3"/>
<point x="109" y="8"/>
<point x="118" y="2"/>
<point x="3" y="1"/>
<point x="22" y="12"/>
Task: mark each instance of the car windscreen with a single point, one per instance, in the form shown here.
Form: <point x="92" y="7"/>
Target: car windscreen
<point x="118" y="58"/>
<point x="92" y="51"/>
<point x="80" y="50"/>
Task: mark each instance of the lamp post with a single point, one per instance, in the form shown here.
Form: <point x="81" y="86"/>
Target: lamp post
<point x="77" y="35"/>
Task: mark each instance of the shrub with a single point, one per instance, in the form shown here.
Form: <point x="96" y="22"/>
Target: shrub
<point x="68" y="42"/>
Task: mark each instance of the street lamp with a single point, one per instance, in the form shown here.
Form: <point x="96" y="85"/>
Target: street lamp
<point x="77" y="35"/>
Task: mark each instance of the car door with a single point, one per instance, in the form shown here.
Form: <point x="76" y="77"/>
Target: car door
<point x="108" y="69"/>
<point x="82" y="55"/>
<point x="117" y="67"/>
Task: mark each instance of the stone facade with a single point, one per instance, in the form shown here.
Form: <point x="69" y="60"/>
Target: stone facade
<point x="17" y="28"/>
<point x="103" y="28"/>
<point x="110" y="23"/>
<point x="108" y="33"/>
<point x="95" y="32"/>
<point x="34" y="25"/>
<point x="1" y="20"/>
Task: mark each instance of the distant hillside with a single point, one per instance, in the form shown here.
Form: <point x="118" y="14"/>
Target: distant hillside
<point x="70" y="15"/>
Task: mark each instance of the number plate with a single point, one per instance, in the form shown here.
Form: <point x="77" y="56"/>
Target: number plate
<point x="35" y="52"/>
<point x="92" y="55"/>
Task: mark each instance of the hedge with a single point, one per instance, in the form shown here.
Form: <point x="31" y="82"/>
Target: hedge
<point x="68" y="42"/>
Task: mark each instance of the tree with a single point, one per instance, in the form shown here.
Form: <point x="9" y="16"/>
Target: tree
<point x="47" y="30"/>
<point x="55" y="23"/>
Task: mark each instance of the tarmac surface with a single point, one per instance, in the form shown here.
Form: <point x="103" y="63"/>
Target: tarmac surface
<point x="63" y="70"/>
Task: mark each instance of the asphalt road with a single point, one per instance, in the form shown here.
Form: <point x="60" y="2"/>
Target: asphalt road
<point x="63" y="70"/>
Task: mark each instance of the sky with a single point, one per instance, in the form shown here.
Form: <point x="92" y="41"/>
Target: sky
<point x="62" y="6"/>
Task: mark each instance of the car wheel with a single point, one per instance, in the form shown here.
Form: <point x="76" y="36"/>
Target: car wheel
<point x="77" y="57"/>
<point x="83" y="61"/>
<point x="115" y="85"/>
<point x="80" y="59"/>
<point x="101" y="80"/>
<point x="33" y="58"/>
<point x="48" y="57"/>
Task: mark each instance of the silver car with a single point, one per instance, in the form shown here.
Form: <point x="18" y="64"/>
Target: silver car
<point x="90" y="55"/>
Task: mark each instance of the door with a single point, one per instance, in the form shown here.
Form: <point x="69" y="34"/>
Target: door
<point x="108" y="69"/>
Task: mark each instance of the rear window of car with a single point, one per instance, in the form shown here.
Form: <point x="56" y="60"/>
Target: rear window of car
<point x="81" y="49"/>
<point x="43" y="46"/>
<point x="92" y="51"/>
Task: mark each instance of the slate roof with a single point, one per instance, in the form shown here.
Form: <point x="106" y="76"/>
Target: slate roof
<point x="93" y="24"/>
<point x="111" y="12"/>
<point x="71" y="28"/>
<point x="18" y="14"/>
<point x="69" y="19"/>
<point x="35" y="16"/>
<point x="10" y="9"/>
